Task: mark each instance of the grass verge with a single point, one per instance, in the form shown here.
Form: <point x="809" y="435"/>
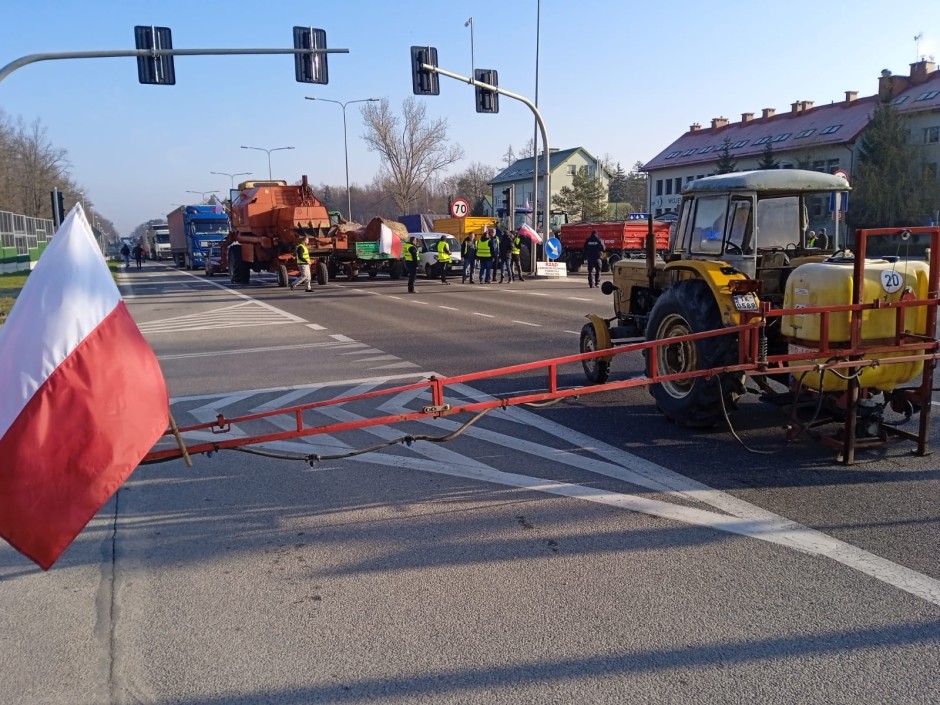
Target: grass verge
<point x="11" y="284"/>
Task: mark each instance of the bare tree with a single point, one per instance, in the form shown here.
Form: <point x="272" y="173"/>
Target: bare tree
<point x="414" y="149"/>
<point x="39" y="165"/>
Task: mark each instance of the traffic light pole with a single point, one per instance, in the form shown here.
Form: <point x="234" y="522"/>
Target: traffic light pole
<point x="538" y="118"/>
<point x="149" y="53"/>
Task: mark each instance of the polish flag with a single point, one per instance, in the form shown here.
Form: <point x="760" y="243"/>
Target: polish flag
<point x="82" y="397"/>
<point x="529" y="233"/>
<point x="389" y="242"/>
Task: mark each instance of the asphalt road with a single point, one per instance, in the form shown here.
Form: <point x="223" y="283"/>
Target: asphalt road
<point x="583" y="552"/>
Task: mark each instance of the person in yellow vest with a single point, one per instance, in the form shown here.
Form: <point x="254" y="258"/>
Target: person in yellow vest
<point x="517" y="256"/>
<point x="485" y="256"/>
<point x="443" y="259"/>
<point x="411" y="262"/>
<point x="302" y="254"/>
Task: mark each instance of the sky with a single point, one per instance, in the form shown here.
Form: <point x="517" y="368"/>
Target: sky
<point x="622" y="79"/>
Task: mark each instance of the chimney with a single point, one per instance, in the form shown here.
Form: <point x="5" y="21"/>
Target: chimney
<point x="719" y="121"/>
<point x="747" y="117"/>
<point x="806" y="105"/>
<point x="850" y="96"/>
<point x="768" y="112"/>
<point x="891" y="86"/>
<point x="694" y="127"/>
<point x="795" y="107"/>
<point x="921" y="71"/>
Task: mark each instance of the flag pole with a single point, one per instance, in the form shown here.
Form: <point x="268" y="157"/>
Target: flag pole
<point x="180" y="442"/>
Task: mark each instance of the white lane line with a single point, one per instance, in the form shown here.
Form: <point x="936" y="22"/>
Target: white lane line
<point x="342" y="338"/>
<point x="315" y="326"/>
<point x="423" y="303"/>
<point x="393" y="297"/>
<point x="577" y="298"/>
<point x="395" y="366"/>
<point x="367" y="351"/>
<point x="449" y="308"/>
<point x="538" y="293"/>
<point x="238" y="294"/>
<point x="299" y="346"/>
<point x="573" y="332"/>
<point x="485" y="315"/>
<point x="526" y="323"/>
<point x="377" y="358"/>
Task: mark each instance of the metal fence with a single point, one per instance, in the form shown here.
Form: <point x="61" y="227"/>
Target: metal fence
<point x="24" y="233"/>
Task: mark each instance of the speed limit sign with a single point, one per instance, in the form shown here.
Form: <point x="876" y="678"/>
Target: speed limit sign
<point x="459" y="208"/>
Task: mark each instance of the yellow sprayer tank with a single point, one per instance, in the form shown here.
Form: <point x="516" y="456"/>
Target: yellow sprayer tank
<point x="822" y="284"/>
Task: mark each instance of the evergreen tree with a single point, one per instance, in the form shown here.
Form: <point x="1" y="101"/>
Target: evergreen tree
<point x="636" y="187"/>
<point x="586" y="197"/>
<point x="888" y="181"/>
<point x="767" y="158"/>
<point x="617" y="188"/>
<point x="725" y="164"/>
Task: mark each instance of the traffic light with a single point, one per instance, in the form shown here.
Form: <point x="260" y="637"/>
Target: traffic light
<point x="157" y="70"/>
<point x="58" y="207"/>
<point x="424" y="82"/>
<point x="310" y="68"/>
<point x="509" y="199"/>
<point x="487" y="100"/>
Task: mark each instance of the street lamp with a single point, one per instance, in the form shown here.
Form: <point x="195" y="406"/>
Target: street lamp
<point x="231" y="176"/>
<point x="469" y="23"/>
<point x="262" y="149"/>
<point x="345" y="142"/>
<point x="203" y="193"/>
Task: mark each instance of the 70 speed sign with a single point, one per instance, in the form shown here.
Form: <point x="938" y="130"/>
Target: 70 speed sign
<point x="459" y="208"/>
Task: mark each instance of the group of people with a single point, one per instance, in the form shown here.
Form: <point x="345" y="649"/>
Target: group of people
<point x="137" y="253"/>
<point x="497" y="252"/>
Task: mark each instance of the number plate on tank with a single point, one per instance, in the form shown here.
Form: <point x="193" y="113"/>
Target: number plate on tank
<point x="746" y="302"/>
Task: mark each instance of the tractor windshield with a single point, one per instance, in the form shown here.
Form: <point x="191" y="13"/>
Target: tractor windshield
<point x="778" y="222"/>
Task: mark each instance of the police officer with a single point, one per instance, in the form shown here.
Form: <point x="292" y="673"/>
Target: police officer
<point x="593" y="251"/>
<point x="443" y="259"/>
<point x="302" y="254"/>
<point x="411" y="262"/>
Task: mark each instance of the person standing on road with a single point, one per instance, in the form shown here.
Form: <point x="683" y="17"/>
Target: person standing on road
<point x="411" y="262"/>
<point x="505" y="256"/>
<point x="593" y="251"/>
<point x="443" y="259"/>
<point x="303" y="264"/>
<point x="468" y="250"/>
<point x="126" y="252"/>
<point x="516" y="250"/>
<point x="138" y="253"/>
<point x="485" y="256"/>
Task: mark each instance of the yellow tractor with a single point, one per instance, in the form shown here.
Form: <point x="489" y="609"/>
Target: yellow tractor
<point x="739" y="240"/>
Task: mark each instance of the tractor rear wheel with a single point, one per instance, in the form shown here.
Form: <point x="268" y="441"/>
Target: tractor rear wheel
<point x="323" y="274"/>
<point x="282" y="278"/>
<point x="596" y="370"/>
<point x="690" y="307"/>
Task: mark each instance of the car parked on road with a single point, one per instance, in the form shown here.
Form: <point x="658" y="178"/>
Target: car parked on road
<point x="213" y="262"/>
<point x="427" y="253"/>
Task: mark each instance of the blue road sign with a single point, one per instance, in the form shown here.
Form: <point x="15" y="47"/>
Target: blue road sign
<point x="841" y="198"/>
<point x="553" y="248"/>
<point x="638" y="216"/>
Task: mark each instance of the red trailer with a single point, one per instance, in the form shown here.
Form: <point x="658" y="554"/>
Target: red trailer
<point x="621" y="238"/>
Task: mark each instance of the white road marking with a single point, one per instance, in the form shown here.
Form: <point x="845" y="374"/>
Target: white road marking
<point x="485" y="315"/>
<point x="537" y="293"/>
<point x="379" y="358"/>
<point x="525" y="323"/>
<point x="573" y="332"/>
<point x="577" y="298"/>
<point x="240" y="295"/>
<point x="449" y="308"/>
<point x="240" y="315"/>
<point x="423" y="303"/>
<point x="342" y="338"/>
<point x="273" y="348"/>
<point x="315" y="326"/>
<point x="395" y="366"/>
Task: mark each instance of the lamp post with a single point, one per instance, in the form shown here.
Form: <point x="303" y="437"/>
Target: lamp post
<point x="203" y="193"/>
<point x="231" y="176"/>
<point x="345" y="142"/>
<point x="469" y="23"/>
<point x="262" y="149"/>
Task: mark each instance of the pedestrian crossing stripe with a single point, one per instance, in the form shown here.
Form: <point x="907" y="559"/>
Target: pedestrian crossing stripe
<point x="241" y="315"/>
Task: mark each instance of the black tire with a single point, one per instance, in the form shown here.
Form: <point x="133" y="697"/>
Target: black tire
<point x="373" y="273"/>
<point x="234" y="262"/>
<point x="352" y="274"/>
<point x="597" y="371"/>
<point x="323" y="274"/>
<point x="282" y="278"/>
<point x="395" y="270"/>
<point x="210" y="273"/>
<point x="243" y="273"/>
<point x="525" y="258"/>
<point x="690" y="307"/>
<point x="611" y="261"/>
<point x="573" y="263"/>
<point x="332" y="271"/>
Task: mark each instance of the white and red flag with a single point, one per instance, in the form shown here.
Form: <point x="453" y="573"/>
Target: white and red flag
<point x="529" y="233"/>
<point x="82" y="397"/>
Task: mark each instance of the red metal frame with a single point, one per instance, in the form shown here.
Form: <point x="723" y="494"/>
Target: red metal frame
<point x="850" y="357"/>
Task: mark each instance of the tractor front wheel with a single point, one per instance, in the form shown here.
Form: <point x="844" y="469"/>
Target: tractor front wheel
<point x="596" y="370"/>
<point x="696" y="402"/>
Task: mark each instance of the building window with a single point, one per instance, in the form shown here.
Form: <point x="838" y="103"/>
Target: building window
<point x="829" y="130"/>
<point x="673" y="155"/>
<point x="706" y="150"/>
<point x="781" y="137"/>
<point x="763" y="140"/>
<point x="678" y="184"/>
<point x="832" y="165"/>
<point x="932" y="134"/>
<point x="819" y="165"/>
<point x="901" y="99"/>
<point x="739" y="143"/>
<point x="668" y="187"/>
<point x="929" y="95"/>
<point x="689" y="152"/>
<point x="806" y="133"/>
<point x="659" y="187"/>
<point x="689" y="178"/>
<point x="571" y="170"/>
